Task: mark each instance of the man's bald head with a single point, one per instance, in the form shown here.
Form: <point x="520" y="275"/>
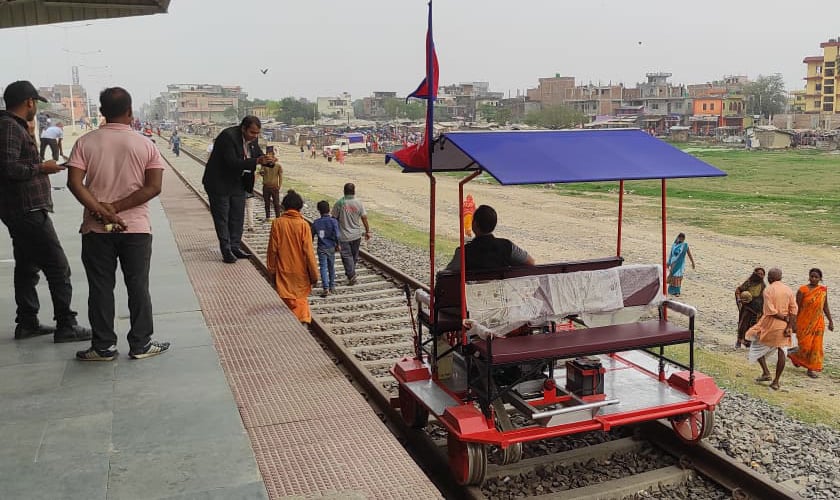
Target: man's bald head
<point x="774" y="274"/>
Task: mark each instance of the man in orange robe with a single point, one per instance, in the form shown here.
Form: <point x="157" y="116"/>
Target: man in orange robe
<point x="290" y="258"/>
<point x="774" y="329"/>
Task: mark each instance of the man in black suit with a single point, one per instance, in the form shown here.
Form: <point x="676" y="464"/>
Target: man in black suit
<point x="228" y="178"/>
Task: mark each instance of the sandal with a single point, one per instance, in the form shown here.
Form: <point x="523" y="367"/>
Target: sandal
<point x="812" y="374"/>
<point x="764" y="378"/>
<point x="774" y="386"/>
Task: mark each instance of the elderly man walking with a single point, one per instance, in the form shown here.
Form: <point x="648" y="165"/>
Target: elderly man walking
<point x="351" y="215"/>
<point x="775" y="328"/>
<point x="25" y="204"/>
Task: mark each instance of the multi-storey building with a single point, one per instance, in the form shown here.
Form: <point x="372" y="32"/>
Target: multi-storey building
<point x="373" y="107"/>
<point x="339" y="107"/>
<point x="822" y="89"/>
<point x="73" y="99"/>
<point x="188" y="103"/>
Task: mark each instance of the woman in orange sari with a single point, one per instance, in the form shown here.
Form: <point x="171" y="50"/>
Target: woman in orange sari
<point x="812" y="300"/>
<point x="290" y="258"/>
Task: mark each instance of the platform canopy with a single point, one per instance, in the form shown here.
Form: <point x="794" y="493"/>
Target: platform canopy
<point x="560" y="156"/>
<point x="17" y="13"/>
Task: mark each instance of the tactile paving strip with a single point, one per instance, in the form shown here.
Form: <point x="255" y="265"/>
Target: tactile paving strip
<point x="312" y="433"/>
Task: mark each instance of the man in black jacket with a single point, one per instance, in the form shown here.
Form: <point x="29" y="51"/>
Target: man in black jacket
<point x="486" y="251"/>
<point x="228" y="178"/>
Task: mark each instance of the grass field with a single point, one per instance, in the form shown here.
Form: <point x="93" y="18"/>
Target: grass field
<point x="793" y="194"/>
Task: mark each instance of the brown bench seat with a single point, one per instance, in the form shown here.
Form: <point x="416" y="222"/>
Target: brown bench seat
<point x="598" y="340"/>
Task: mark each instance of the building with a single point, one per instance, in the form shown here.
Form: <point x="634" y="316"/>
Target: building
<point x="822" y="91"/>
<point x="663" y="104"/>
<point x="67" y="97"/>
<point x="373" y="106"/>
<point x="339" y="107"/>
<point x="187" y="103"/>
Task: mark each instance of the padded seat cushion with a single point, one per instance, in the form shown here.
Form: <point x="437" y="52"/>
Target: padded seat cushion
<point x="570" y="344"/>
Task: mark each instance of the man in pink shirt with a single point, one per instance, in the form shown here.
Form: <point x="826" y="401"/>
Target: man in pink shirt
<point x="114" y="172"/>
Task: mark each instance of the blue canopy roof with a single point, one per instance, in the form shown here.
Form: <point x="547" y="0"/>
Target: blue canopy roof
<point x="537" y="157"/>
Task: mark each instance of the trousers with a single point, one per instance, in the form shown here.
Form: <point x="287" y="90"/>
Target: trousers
<point x="228" y="211"/>
<point x="271" y="196"/>
<point x="349" y="256"/>
<point x="100" y="254"/>
<point x="36" y="248"/>
<point x="326" y="264"/>
<point x="53" y="144"/>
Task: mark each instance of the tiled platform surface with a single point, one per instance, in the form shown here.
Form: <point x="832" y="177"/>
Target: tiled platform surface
<point x="165" y="427"/>
<point x="312" y="433"/>
<point x="170" y="427"/>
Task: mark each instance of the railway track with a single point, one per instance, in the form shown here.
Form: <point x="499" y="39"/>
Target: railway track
<point x="368" y="327"/>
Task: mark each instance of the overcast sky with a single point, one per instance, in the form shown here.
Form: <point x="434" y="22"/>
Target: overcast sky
<point x="322" y="47"/>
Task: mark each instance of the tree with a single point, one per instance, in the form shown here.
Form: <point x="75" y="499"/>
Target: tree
<point x="231" y="114"/>
<point x="396" y="107"/>
<point x="291" y="108"/>
<point x="555" y="117"/>
<point x="766" y="95"/>
<point x="503" y="116"/>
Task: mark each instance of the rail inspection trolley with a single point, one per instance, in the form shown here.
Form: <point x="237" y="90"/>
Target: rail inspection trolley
<point x="507" y="356"/>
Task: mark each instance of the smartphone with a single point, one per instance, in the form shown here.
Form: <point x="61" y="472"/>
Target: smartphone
<point x="269" y="150"/>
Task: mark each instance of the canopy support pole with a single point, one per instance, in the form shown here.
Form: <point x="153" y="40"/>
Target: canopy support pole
<point x="620" y="215"/>
<point x="432" y="202"/>
<point x="664" y="247"/>
<point x="463" y="253"/>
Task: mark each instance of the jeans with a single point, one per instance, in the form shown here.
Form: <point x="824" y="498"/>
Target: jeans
<point x="100" y="253"/>
<point x="36" y="248"/>
<point x="350" y="256"/>
<point x="228" y="211"/>
<point x="326" y="262"/>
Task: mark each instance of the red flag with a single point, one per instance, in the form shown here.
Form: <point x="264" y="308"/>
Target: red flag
<point x="418" y="155"/>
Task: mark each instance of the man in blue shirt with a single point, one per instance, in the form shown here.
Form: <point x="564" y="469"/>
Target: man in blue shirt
<point x="326" y="232"/>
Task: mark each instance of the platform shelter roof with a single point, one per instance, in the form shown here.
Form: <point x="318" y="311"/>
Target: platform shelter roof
<point x="561" y="156"/>
<point x="17" y="13"/>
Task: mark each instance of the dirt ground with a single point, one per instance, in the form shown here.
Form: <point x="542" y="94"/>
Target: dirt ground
<point x="559" y="228"/>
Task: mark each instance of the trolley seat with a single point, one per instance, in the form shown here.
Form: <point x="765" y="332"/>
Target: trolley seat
<point x="447" y="305"/>
<point x="589" y="341"/>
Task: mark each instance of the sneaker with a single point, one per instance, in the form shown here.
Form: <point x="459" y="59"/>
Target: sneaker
<point x="25" y="332"/>
<point x="352" y="280"/>
<point x="325" y="293"/>
<point x="153" y="348"/>
<point x="73" y="333"/>
<point x="93" y="354"/>
<point x="332" y="290"/>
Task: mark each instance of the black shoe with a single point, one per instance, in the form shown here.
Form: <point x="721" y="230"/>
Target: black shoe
<point x="73" y="333"/>
<point x="228" y="258"/>
<point x="94" y="354"/>
<point x="25" y="332"/>
<point x="153" y="348"/>
<point x="240" y="254"/>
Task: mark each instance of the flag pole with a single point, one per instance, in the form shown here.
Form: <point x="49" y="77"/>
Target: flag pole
<point x="430" y="116"/>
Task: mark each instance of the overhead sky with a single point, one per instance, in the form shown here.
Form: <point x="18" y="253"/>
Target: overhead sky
<point x="324" y="47"/>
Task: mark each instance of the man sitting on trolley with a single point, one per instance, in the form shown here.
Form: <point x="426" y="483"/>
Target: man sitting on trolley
<point x="485" y="251"/>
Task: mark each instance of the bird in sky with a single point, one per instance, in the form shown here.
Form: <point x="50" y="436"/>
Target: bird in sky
<point x="264" y="71"/>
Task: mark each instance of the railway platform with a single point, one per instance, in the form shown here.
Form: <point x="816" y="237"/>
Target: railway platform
<point x="245" y="405"/>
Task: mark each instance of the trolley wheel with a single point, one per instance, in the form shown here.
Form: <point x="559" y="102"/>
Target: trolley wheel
<point x="512" y="453"/>
<point x="694" y="427"/>
<point x="468" y="461"/>
<point x="413" y="413"/>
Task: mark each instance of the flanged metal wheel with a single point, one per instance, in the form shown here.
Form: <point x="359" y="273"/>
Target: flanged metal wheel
<point x="468" y="461"/>
<point x="413" y="413"/>
<point x="694" y="427"/>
